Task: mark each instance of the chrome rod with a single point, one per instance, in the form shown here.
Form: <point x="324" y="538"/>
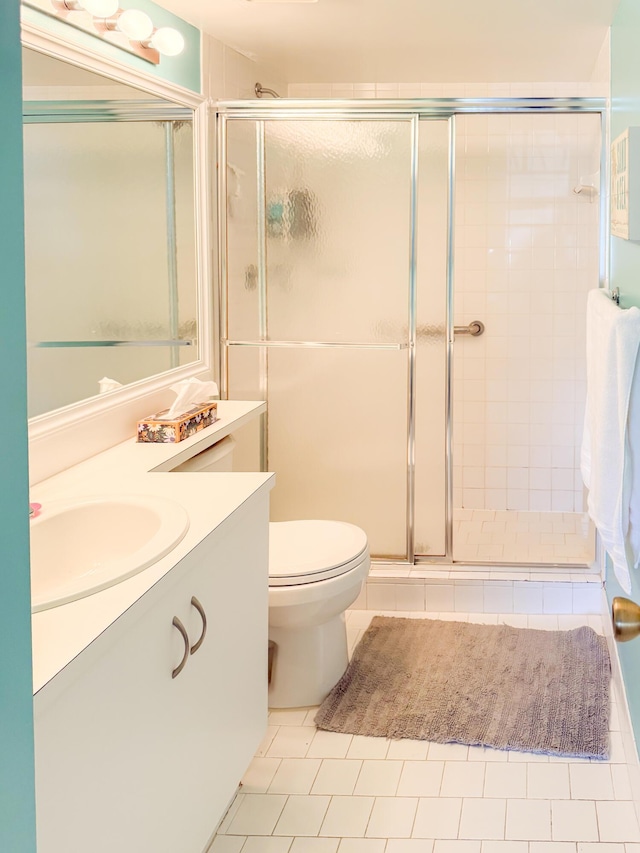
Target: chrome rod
<point x="81" y="344"/>
<point x="223" y="249"/>
<point x="340" y="108"/>
<point x="330" y="344"/>
<point x="263" y="321"/>
<point x="475" y="328"/>
<point x="411" y="365"/>
<point x="448" y="523"/>
<point x="172" y="244"/>
<point x="84" y="112"/>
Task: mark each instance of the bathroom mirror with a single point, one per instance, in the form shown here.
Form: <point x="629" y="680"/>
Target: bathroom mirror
<point x="110" y="233"/>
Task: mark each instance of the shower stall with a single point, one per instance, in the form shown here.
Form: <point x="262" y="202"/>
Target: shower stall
<point x="405" y="283"/>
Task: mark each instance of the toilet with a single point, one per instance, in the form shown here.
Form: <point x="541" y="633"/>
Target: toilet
<point x="316" y="572"/>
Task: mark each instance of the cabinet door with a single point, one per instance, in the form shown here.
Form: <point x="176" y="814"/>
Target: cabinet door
<point x="128" y="758"/>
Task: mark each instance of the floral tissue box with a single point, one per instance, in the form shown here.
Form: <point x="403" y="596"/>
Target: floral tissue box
<point x="157" y="429"/>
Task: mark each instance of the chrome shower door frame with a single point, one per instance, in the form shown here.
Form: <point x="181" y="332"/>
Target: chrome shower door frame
<point x="414" y="111"/>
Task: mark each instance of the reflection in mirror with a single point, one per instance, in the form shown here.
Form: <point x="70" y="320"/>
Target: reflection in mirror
<point x="111" y="279"/>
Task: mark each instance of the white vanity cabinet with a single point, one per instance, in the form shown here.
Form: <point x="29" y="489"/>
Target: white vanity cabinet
<point x="128" y="758"/>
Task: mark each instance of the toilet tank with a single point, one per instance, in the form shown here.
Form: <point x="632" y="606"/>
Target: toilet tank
<point x="218" y="457"/>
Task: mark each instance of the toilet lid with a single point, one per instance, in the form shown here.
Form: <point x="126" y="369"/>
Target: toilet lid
<point x="307" y="551"/>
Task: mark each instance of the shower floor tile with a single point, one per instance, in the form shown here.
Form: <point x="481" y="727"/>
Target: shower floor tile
<point x="411" y="797"/>
<point x="510" y="536"/>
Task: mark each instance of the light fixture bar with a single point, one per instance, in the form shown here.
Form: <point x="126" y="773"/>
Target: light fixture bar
<point x="129" y="29"/>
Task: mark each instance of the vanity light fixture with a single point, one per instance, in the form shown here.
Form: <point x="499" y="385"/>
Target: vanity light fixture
<point x="136" y="25"/>
<point x="97" y="8"/>
<point x="130" y="29"/>
<point x="167" y="41"/>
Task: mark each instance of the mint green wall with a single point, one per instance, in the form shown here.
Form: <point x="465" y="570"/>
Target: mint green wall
<point x="17" y="810"/>
<point x="625" y="112"/>
<point x="183" y="70"/>
<point x="625" y="266"/>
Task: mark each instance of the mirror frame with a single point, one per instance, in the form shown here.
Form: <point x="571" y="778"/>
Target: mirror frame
<point x="43" y="427"/>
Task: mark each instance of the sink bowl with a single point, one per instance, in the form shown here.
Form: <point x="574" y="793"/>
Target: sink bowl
<point x="81" y="547"/>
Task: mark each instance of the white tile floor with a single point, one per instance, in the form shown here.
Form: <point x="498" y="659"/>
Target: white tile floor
<point x="522" y="537"/>
<point x="309" y="791"/>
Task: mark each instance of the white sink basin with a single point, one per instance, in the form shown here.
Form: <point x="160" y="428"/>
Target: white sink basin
<point x="84" y="546"/>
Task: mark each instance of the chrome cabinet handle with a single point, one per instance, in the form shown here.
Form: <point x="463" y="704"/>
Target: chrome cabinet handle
<point x="178" y="624"/>
<point x="200" y="609"/>
<point x="475" y="328"/>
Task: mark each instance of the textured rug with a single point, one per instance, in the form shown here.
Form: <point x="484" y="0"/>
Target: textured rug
<point x="491" y="685"/>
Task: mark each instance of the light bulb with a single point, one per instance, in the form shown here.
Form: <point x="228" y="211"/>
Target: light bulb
<point x="136" y="25"/>
<point x="167" y="41"/>
<point x="100" y="8"/>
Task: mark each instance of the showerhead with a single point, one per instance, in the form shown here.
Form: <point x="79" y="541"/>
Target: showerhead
<point x="261" y="90"/>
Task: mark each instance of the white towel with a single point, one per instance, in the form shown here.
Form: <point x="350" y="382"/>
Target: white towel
<point x="610" y="460"/>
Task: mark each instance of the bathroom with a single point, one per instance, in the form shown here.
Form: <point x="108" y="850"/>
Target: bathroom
<point x="432" y="570"/>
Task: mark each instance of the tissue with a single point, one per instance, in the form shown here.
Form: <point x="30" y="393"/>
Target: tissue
<point x="105" y="384"/>
<point x="188" y="393"/>
<point x="189" y="414"/>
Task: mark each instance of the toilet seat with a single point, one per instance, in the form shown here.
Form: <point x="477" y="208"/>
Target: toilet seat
<point x="303" y="552"/>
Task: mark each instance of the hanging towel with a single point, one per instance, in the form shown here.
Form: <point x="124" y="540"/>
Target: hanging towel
<point x="610" y="460"/>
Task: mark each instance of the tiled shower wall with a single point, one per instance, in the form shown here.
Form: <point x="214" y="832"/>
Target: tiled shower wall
<point x="526" y="253"/>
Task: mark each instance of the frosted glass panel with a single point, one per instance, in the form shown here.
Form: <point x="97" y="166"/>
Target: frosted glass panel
<point x="242" y="231"/>
<point x="337" y="223"/>
<point x="245" y="368"/>
<point x="97" y="267"/>
<point x="431" y="350"/>
<point x="186" y="266"/>
<point x="337" y="440"/>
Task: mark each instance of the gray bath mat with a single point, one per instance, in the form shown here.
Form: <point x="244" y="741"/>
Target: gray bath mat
<point x="491" y="685"/>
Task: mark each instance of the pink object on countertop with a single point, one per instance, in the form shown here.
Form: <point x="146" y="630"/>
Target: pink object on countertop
<point x="34" y="510"/>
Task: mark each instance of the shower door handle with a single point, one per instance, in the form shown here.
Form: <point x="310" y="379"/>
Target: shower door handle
<point x="475" y="328"/>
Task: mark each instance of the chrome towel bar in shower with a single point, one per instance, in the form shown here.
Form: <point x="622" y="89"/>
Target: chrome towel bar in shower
<point x="475" y="328"/>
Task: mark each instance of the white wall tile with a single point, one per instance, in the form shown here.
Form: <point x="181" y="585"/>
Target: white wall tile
<point x="558" y="598"/>
<point x="469" y="597"/>
<point x="440" y="598"/>
<point x="381" y="596"/>
<point x="410" y="597"/>
<point x="586" y="598"/>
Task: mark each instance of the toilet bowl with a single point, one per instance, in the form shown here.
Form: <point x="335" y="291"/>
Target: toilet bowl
<point x="316" y="571"/>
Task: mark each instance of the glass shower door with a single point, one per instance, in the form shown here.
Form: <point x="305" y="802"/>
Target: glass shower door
<point x="319" y="313"/>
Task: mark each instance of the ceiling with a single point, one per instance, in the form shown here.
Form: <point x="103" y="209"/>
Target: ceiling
<point x="359" y="41"/>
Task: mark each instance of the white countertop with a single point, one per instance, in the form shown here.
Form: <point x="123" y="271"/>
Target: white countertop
<point x="61" y="633"/>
